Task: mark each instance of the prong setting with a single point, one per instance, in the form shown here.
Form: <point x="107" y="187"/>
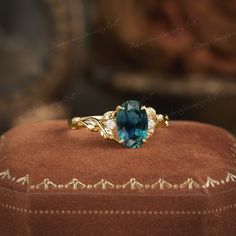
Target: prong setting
<point x="118" y="108"/>
<point x="120" y="141"/>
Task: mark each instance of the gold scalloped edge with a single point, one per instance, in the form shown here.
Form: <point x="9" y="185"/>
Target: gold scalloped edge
<point x="214" y="211"/>
<point x="103" y="184"/>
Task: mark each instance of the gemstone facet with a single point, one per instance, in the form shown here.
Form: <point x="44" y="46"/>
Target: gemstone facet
<point x="132" y="124"/>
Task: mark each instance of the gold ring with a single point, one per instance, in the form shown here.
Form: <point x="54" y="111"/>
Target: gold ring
<point x="130" y="124"/>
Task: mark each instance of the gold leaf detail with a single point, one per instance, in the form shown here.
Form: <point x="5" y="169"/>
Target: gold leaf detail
<point x="133" y="184"/>
<point x="23" y="180"/>
<point x="190" y="184"/>
<point x="46" y="184"/>
<point x="104" y="184"/>
<point x="5" y="174"/>
<point x="162" y="184"/>
<point x="75" y="184"/>
<point x="230" y="177"/>
<point x="211" y="183"/>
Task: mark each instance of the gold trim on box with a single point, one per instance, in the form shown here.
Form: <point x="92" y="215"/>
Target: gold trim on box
<point x="22" y="210"/>
<point x="103" y="184"/>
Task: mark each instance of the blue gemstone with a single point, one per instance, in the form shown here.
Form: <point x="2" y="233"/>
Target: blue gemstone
<point x="132" y="124"/>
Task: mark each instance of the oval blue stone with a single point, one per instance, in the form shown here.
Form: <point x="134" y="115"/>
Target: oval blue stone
<point x="132" y="124"/>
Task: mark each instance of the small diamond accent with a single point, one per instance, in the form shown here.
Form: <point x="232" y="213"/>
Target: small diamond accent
<point x="110" y="124"/>
<point x="151" y="124"/>
<point x="160" y="118"/>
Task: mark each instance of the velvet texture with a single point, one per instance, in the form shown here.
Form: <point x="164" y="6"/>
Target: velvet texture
<point x="56" y="181"/>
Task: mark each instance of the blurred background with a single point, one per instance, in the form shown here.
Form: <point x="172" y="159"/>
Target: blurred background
<point x="63" y="58"/>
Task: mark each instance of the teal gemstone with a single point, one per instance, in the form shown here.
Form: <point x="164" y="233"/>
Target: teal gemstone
<point x="132" y="124"/>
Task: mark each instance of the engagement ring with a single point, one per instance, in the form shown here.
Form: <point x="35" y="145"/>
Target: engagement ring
<point x="130" y="124"/>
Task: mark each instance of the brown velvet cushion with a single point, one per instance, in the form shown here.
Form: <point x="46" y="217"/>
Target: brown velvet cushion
<point x="56" y="181"/>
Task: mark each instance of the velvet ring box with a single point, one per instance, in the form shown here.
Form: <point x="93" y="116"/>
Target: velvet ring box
<point x="56" y="181"/>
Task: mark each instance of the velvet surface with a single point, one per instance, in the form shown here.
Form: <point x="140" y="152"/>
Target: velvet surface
<point x="56" y="181"/>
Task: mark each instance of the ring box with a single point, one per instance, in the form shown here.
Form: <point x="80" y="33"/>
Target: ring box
<point x="57" y="181"/>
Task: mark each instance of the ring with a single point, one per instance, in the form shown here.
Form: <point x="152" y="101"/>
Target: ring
<point x="130" y="124"/>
